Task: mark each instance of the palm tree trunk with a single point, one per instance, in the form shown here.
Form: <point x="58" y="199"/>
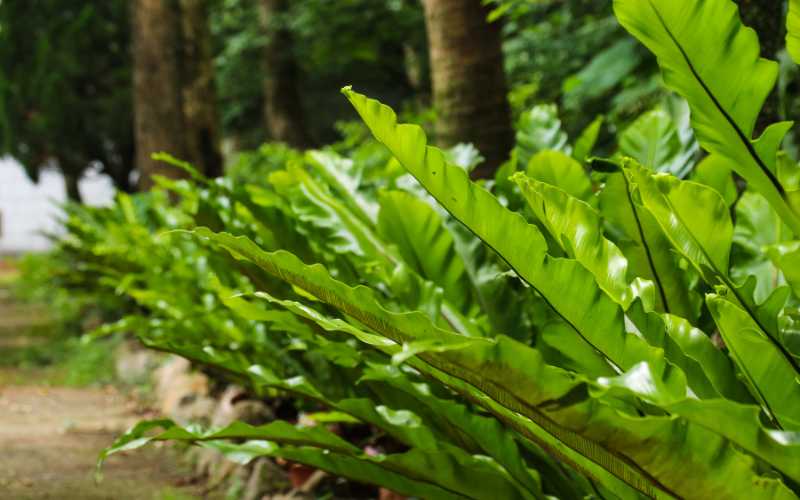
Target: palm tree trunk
<point x="199" y="99"/>
<point x="158" y="117"/>
<point x="468" y="78"/>
<point x="71" y="185"/>
<point x="283" y="112"/>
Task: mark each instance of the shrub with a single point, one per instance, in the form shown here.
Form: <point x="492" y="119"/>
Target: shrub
<point x="612" y="334"/>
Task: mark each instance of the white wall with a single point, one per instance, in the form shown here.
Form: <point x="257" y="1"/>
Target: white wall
<point x="27" y="209"/>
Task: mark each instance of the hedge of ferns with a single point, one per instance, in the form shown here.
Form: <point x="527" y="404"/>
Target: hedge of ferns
<point x="550" y="333"/>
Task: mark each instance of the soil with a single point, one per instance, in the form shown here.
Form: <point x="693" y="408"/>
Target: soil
<point x="50" y="437"/>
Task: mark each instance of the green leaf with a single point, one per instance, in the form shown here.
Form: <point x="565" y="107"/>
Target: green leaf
<point x="757" y="228"/>
<point x="649" y="252"/>
<point x="586" y="141"/>
<point x="278" y="431"/>
<point x="496" y="291"/>
<point x="764" y="366"/>
<point x="465" y="156"/>
<point x="341" y="175"/>
<point x="327" y="220"/>
<point x="698" y="347"/>
<point x="696" y="220"/>
<point x="567" y="286"/>
<point x="543" y="403"/>
<point x="694" y="216"/>
<point x="312" y="446"/>
<point x="425" y="474"/>
<point x="443" y="418"/>
<point x="356" y="469"/>
<point x="401" y="424"/>
<point x="558" y="169"/>
<point x="399" y="328"/>
<point x="718" y="70"/>
<point x="709" y="373"/>
<point x="786" y="257"/>
<point x="606" y="70"/>
<point x="741" y="424"/>
<point x="539" y="129"/>
<point x="576" y="227"/>
<point x="654" y="141"/>
<point x="424" y="243"/>
<point x="330" y="220"/>
<point x="716" y="171"/>
<point x="473" y="432"/>
<point x="793" y="30"/>
<point x="489" y="435"/>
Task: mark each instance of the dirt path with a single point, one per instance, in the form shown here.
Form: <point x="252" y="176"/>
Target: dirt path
<point x="50" y="438"/>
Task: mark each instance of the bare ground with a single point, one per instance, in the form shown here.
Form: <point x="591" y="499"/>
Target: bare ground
<point x="50" y="437"/>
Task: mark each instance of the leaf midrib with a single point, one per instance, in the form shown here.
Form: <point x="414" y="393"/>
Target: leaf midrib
<point x="739" y="132"/>
<point x="646" y="246"/>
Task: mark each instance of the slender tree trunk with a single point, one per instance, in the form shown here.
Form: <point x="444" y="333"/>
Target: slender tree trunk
<point x="767" y="18"/>
<point x="469" y="85"/>
<point x="71" y="185"/>
<point x="158" y="112"/>
<point x="200" y="114"/>
<point x="128" y="161"/>
<point x="282" y="110"/>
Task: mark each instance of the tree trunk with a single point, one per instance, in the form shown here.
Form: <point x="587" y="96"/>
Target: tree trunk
<point x="122" y="179"/>
<point x="199" y="96"/>
<point x="158" y="113"/>
<point x="469" y="85"/>
<point x="71" y="185"/>
<point x="767" y="18"/>
<point x="283" y="113"/>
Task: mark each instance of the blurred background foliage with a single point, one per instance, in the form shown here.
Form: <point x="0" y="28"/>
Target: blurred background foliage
<point x="66" y="70"/>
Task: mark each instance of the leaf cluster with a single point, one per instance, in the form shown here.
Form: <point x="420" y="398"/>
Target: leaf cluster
<point x="625" y="330"/>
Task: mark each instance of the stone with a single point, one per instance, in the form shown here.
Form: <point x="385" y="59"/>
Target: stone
<point x="233" y="406"/>
<point x="183" y="395"/>
<point x="134" y="364"/>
